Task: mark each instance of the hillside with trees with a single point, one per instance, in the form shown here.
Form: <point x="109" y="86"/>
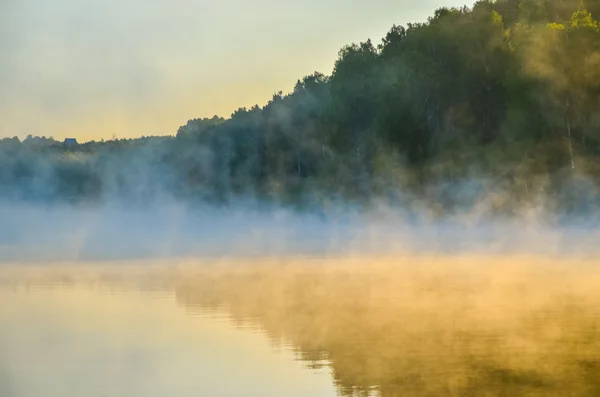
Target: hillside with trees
<point x="498" y="104"/>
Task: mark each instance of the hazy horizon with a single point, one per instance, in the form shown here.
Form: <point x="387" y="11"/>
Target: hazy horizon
<point x="95" y="70"/>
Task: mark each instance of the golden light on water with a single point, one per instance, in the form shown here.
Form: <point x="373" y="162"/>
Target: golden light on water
<point x="465" y="325"/>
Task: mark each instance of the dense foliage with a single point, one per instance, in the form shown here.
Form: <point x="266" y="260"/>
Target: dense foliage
<point x="500" y="97"/>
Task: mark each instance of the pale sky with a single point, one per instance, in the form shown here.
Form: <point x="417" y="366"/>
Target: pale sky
<point x="92" y="69"/>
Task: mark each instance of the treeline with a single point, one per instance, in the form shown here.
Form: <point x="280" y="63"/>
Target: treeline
<point x="498" y="101"/>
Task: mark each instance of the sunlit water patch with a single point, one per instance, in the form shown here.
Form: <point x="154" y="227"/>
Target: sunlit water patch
<point x="68" y="339"/>
<point x="463" y="325"/>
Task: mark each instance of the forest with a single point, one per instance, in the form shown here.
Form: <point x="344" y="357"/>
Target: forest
<point x="494" y="107"/>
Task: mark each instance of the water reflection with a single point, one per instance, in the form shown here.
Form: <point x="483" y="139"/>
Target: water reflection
<point x="516" y="327"/>
<point x="512" y="326"/>
<point x="63" y="339"/>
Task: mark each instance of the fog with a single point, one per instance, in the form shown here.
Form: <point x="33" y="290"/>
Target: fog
<point x="444" y="325"/>
<point x="423" y="222"/>
<point x="175" y="231"/>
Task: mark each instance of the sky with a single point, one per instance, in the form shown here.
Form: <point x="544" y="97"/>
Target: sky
<point x="94" y="69"/>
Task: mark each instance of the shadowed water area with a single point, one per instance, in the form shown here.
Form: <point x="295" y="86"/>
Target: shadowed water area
<point x="462" y="325"/>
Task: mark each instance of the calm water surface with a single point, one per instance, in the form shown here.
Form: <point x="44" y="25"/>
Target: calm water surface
<point x="59" y="341"/>
<point x="411" y="327"/>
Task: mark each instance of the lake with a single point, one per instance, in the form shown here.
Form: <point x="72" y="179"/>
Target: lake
<point x="398" y="326"/>
<point x="103" y="340"/>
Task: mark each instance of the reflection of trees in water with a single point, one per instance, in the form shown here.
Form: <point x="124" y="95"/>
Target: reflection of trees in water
<point x="422" y="334"/>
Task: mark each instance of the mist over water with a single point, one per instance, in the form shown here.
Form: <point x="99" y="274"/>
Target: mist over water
<point x="448" y="325"/>
<point x="67" y="233"/>
<point x="390" y="299"/>
<point x="377" y="301"/>
<point x="422" y="222"/>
